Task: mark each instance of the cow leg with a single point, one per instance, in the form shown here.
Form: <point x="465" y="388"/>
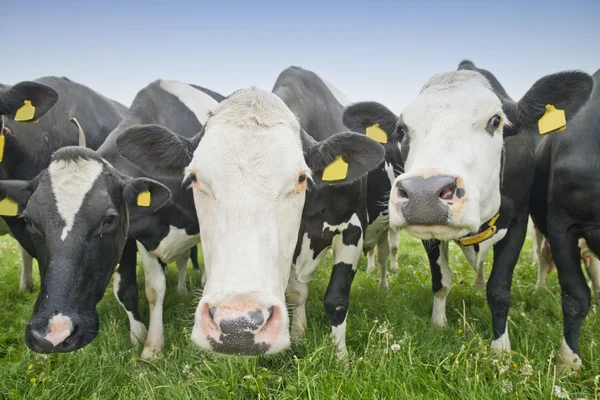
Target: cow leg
<point x="476" y="258"/>
<point x="182" y="271"/>
<point x="155" y="293"/>
<point x="194" y="258"/>
<point x="383" y="251"/>
<point x="575" y="291"/>
<point x="371" y="260"/>
<point x="296" y="294"/>
<point x="592" y="265"/>
<point x="506" y="255"/>
<point x="26" y="283"/>
<point x="346" y="249"/>
<point x="393" y="239"/>
<point x="543" y="255"/>
<point x="441" y="278"/>
<point x="125" y="291"/>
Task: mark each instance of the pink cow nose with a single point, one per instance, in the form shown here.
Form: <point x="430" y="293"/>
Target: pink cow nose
<point x="241" y="326"/>
<point x="59" y="328"/>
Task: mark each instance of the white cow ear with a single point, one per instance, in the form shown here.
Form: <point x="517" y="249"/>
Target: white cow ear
<point x="567" y="91"/>
<point x="145" y="196"/>
<point x="343" y="158"/>
<point x="14" y="196"/>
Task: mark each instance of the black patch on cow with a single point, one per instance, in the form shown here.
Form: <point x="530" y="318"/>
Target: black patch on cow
<point x="337" y="297"/>
<point x="351" y="235"/>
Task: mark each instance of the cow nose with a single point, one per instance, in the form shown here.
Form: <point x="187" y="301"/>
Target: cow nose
<point x="427" y="201"/>
<point x="46" y="336"/>
<point x="241" y="327"/>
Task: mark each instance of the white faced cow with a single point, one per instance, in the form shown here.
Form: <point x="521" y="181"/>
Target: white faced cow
<point x="250" y="171"/>
<point x="461" y="182"/>
<point x="80" y="212"/>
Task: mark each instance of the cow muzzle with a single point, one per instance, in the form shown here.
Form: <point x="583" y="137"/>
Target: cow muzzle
<point x="241" y="324"/>
<point x="59" y="334"/>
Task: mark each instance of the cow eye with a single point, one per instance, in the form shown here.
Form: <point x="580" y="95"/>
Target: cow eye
<point x="109" y="220"/>
<point x="495" y="121"/>
<point x="302" y="178"/>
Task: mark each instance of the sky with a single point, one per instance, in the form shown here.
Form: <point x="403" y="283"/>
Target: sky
<point x="370" y="50"/>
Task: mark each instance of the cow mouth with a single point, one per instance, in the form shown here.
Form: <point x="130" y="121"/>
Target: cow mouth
<point x="439" y="232"/>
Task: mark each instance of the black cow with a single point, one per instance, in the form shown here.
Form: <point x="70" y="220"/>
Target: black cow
<point x="81" y="210"/>
<point x="28" y="147"/>
<point x="563" y="208"/>
<point x="463" y="182"/>
<point x="250" y="171"/>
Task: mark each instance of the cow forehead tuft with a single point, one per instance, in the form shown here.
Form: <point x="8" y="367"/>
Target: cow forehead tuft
<point x="254" y="107"/>
<point x="457" y="78"/>
<point x="75" y="153"/>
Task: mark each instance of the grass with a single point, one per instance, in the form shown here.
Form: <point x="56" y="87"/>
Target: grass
<point x="425" y="362"/>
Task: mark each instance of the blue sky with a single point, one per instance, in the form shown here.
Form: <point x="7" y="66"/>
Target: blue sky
<point x="370" y="50"/>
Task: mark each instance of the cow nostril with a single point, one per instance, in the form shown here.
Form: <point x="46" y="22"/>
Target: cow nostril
<point x="402" y="194"/>
<point x="270" y="310"/>
<point x="447" y="194"/>
<point x="211" y="312"/>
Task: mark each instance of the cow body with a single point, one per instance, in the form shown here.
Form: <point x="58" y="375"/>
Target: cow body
<point x="564" y="182"/>
<point x="104" y="213"/>
<point x="29" y="147"/>
<point x="348" y="219"/>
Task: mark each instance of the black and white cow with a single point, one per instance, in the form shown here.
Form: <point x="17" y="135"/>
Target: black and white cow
<point x="250" y="170"/>
<point x="346" y="218"/>
<point x="563" y="209"/>
<point x="463" y="182"/>
<point x="80" y="213"/>
<point x="28" y="147"/>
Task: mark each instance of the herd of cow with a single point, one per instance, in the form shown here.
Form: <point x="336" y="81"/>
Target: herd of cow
<point x="278" y="178"/>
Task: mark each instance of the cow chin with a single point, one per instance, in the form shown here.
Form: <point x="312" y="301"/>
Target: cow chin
<point x="243" y="324"/>
<point x="439" y="232"/>
<point x="61" y="333"/>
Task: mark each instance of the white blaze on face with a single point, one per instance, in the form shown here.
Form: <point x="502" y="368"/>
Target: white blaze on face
<point x="71" y="180"/>
<point x="196" y="100"/>
<point x="247" y="166"/>
<point x="447" y="126"/>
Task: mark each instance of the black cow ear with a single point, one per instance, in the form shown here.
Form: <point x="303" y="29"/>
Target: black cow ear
<point x="27" y="101"/>
<point x="567" y="91"/>
<point x="343" y="158"/>
<point x="368" y="116"/>
<point x="14" y="196"/>
<point x="157" y="150"/>
<point x="144" y="196"/>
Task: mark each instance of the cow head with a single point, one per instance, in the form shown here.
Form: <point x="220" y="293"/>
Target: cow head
<point x="77" y="212"/>
<point x="249" y="171"/>
<point x="39" y="96"/>
<point x="452" y="148"/>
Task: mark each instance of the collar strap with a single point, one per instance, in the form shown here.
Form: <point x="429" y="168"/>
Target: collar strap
<point x="486" y="231"/>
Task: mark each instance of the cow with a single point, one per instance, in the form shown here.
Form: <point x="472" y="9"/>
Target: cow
<point x="255" y="173"/>
<point x="87" y="230"/>
<point x="349" y="219"/>
<point x="469" y="156"/>
<point x="26" y="148"/>
<point x="565" y="177"/>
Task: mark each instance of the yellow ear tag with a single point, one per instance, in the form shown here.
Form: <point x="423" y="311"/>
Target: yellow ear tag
<point x="336" y="171"/>
<point x="26" y="112"/>
<point x="552" y="121"/>
<point x="8" y="207"/>
<point x="376" y="133"/>
<point x="2" y="140"/>
<point x="143" y="199"/>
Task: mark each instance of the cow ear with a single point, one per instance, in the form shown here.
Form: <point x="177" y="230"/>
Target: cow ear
<point x="368" y="116"/>
<point x="567" y="91"/>
<point x="343" y="158"/>
<point x="14" y="196"/>
<point x="157" y="150"/>
<point x="144" y="196"/>
<point x="27" y="101"/>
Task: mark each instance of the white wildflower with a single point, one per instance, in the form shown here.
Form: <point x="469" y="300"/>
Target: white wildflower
<point x="506" y="386"/>
<point x="247" y="377"/>
<point x="382" y="329"/>
<point x="503" y="369"/>
<point x="395" y="347"/>
<point x="526" y="370"/>
<point x="560" y="392"/>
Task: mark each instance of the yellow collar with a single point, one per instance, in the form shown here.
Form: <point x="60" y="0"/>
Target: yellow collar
<point x="486" y="231"/>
